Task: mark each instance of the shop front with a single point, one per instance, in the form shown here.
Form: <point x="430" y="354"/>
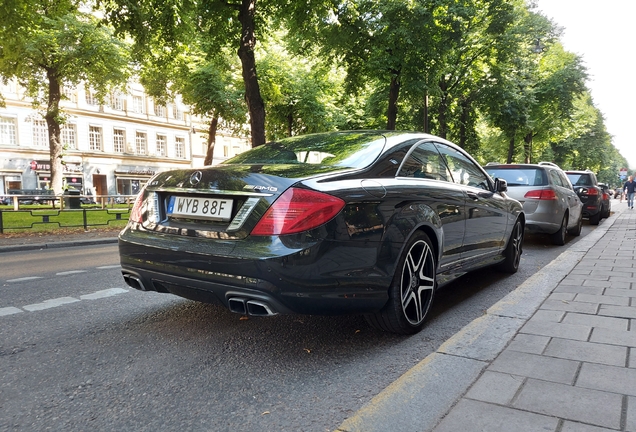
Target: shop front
<point x="10" y="180"/>
<point x="130" y="181"/>
<point x="73" y="178"/>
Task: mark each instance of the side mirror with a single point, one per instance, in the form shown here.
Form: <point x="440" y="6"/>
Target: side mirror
<point x="501" y="185"/>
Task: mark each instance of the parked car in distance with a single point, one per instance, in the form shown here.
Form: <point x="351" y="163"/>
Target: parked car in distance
<point x="549" y="202"/>
<point x="365" y="222"/>
<point x="606" y="201"/>
<point x="588" y="190"/>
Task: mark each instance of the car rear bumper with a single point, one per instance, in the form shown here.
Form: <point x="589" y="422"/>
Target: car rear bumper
<point x="306" y="281"/>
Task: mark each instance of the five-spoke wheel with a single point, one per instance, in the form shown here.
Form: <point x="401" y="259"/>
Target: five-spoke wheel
<point x="412" y="290"/>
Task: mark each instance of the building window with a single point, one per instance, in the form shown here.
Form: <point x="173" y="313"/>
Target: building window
<point x="67" y="134"/>
<point x="91" y="97"/>
<point x="129" y="186"/>
<point x="161" y="145"/>
<point x="95" y="138"/>
<point x="160" y="110"/>
<point x="226" y="151"/>
<point x="140" y="143"/>
<point x="119" y="140"/>
<point x="117" y="101"/>
<point x="40" y="133"/>
<point x="69" y="93"/>
<point x="138" y="104"/>
<point x="179" y="148"/>
<point x="177" y="112"/>
<point x="7" y="131"/>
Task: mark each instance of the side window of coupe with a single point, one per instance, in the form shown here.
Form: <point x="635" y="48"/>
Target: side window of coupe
<point x="425" y="162"/>
<point x="463" y="170"/>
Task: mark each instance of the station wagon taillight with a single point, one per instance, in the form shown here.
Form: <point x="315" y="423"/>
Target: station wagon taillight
<point x="541" y="194"/>
<point x="298" y="210"/>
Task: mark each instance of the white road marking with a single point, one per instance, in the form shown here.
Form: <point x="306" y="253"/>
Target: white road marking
<point x="103" y="294"/>
<point x="108" y="267"/>
<point x="24" y="279"/>
<point x="70" y="272"/>
<point x="9" y="311"/>
<point x="51" y="303"/>
<point x="47" y="304"/>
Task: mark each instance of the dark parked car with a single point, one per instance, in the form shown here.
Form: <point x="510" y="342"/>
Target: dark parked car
<point x="549" y="202"/>
<point x="368" y="222"/>
<point x="606" y="200"/>
<point x="588" y="190"/>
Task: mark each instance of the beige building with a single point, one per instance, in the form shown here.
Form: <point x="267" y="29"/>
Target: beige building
<point x="111" y="148"/>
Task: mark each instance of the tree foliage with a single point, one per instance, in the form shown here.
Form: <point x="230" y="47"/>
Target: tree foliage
<point x="490" y="75"/>
<point x="48" y="44"/>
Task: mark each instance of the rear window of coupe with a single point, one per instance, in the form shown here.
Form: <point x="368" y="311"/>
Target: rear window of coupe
<point x="338" y="150"/>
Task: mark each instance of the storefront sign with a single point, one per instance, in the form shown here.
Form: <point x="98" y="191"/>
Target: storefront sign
<point x="148" y="173"/>
<point x="46" y="166"/>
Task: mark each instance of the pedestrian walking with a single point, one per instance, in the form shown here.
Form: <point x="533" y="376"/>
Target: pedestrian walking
<point x="629" y="188"/>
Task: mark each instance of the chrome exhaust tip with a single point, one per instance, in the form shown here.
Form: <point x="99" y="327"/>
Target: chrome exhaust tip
<point x="134" y="282"/>
<point x="237" y="305"/>
<point x="258" y="308"/>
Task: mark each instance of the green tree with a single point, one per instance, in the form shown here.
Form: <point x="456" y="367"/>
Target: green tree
<point x="48" y="44"/>
<point x="299" y="92"/>
<point x="381" y="46"/>
<point x="162" y="29"/>
<point x="213" y="91"/>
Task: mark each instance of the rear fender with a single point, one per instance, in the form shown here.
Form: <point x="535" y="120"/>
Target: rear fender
<point x="408" y="219"/>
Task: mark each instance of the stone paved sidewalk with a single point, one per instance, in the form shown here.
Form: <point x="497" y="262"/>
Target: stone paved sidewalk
<point x="572" y="366"/>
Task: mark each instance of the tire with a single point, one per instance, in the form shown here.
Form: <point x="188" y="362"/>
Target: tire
<point x="606" y="212"/>
<point x="576" y="231"/>
<point x="512" y="254"/>
<point x="558" y="238"/>
<point x="595" y="219"/>
<point x="412" y="289"/>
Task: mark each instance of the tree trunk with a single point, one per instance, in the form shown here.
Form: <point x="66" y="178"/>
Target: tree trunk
<point x="442" y="110"/>
<point x="52" y="118"/>
<point x="394" y="93"/>
<point x="253" y="98"/>
<point x="511" y="148"/>
<point x="426" y="127"/>
<point x="290" y="121"/>
<point x="527" y="147"/>
<point x="463" y="122"/>
<point x="209" y="155"/>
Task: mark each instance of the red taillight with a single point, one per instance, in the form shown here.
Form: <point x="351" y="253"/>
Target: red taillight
<point x="605" y="196"/>
<point x="592" y="191"/>
<point x="541" y="194"/>
<point x="298" y="210"/>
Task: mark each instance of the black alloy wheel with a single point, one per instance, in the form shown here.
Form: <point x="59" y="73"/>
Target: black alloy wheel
<point x="558" y="238"/>
<point x="576" y="231"/>
<point x="512" y="254"/>
<point x="412" y="290"/>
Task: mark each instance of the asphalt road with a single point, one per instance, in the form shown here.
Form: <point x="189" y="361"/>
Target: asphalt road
<point x="79" y="350"/>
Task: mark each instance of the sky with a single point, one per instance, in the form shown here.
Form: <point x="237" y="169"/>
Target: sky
<point x="603" y="33"/>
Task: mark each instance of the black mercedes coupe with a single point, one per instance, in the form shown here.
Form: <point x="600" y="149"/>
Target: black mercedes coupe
<point x="364" y="222"/>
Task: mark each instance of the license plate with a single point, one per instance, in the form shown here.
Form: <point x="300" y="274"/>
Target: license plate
<point x="200" y="208"/>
